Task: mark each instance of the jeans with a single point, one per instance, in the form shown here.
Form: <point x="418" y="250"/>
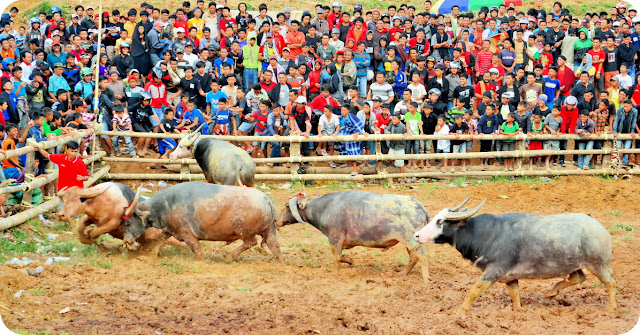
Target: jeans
<point x="563" y="146"/>
<point x="128" y="141"/>
<point x="626" y="144"/>
<point x="154" y="58"/>
<point x="275" y="151"/>
<point x="372" y="149"/>
<point x="583" y="160"/>
<point x="362" y="86"/>
<point x="250" y="78"/>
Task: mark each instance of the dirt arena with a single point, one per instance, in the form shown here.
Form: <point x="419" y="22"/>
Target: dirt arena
<point x="174" y="294"/>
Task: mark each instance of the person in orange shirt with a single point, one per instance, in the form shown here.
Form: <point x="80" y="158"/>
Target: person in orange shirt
<point x="295" y="39"/>
<point x="11" y="167"/>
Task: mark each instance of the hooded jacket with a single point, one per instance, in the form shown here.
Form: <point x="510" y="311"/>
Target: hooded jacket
<point x="582" y="46"/>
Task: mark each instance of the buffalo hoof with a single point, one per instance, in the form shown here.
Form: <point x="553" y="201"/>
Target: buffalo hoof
<point x="461" y="311"/>
<point x="346" y="259"/>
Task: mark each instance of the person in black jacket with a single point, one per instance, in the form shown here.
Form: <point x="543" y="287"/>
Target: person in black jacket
<point x="441" y="83"/>
<point x="123" y="61"/>
<point x="10" y="97"/>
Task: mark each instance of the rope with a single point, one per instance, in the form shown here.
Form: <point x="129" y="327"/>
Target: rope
<point x="49" y="197"/>
<point x="29" y="176"/>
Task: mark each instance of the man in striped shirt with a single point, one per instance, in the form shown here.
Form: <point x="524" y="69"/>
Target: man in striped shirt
<point x="381" y="89"/>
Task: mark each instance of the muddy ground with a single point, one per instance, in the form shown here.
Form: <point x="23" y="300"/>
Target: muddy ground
<point x="174" y="294"/>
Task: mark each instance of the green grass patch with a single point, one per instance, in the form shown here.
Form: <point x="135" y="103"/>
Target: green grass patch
<point x="36" y="291"/>
<point x="178" y="266"/>
<point x="621" y="227"/>
<point x="614" y="212"/>
<point x="16" y="246"/>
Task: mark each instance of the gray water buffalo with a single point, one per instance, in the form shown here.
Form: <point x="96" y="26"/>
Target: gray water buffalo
<point x="516" y="246"/>
<point x="197" y="211"/>
<point x="357" y="218"/>
<point x="220" y="161"/>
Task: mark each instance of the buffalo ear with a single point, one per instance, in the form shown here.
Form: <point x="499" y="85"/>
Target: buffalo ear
<point x="302" y="203"/>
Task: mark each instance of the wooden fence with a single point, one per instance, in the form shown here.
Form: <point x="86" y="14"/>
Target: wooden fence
<point x="45" y="181"/>
<point x="290" y="173"/>
<point x="296" y="159"/>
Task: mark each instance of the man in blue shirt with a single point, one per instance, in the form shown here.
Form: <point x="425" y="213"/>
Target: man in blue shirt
<point x="551" y="86"/>
<point x="57" y="81"/>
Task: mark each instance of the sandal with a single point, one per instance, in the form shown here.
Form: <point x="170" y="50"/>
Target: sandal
<point x="332" y="164"/>
<point x="354" y="173"/>
<point x="324" y="153"/>
<point x="153" y="167"/>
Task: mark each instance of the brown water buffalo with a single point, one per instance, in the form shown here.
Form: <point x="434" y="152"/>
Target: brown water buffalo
<point x="103" y="205"/>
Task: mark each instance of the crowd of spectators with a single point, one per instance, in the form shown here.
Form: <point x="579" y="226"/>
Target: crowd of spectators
<point x="332" y="71"/>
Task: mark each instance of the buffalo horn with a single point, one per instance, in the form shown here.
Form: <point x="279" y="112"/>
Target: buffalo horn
<point x="92" y="192"/>
<point x="134" y="204"/>
<point x="62" y="192"/>
<point x="455" y="209"/>
<point x="293" y="206"/>
<point x="460" y="216"/>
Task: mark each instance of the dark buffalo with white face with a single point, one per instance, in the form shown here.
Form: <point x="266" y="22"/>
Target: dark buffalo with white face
<point x="515" y="246"/>
<point x="196" y="211"/>
<point x="357" y="218"/>
<point x="221" y="162"/>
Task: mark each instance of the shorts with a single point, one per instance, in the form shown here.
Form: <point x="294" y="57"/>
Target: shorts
<point x="469" y="145"/>
<point x="508" y="146"/>
<point x="260" y="145"/>
<point x="159" y="113"/>
<point x="397" y="162"/>
<point x="598" y="144"/>
<point x="141" y="127"/>
<point x="246" y="127"/>
<point x="427" y="146"/>
<point x="326" y="133"/>
<point x="551" y="145"/>
<point x="221" y="129"/>
<point x="166" y="144"/>
<point x="105" y="127"/>
<point x="460" y="148"/>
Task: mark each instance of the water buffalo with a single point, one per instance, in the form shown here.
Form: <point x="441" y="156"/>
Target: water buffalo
<point x="220" y="161"/>
<point x="103" y="205"/>
<point x="196" y="211"/>
<point x="516" y="246"/>
<point x="357" y="218"/>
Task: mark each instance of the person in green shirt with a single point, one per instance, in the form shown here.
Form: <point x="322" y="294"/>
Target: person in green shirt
<point x="251" y="62"/>
<point x="413" y="121"/>
<point x="52" y="122"/>
<point x="510" y="128"/>
<point x="451" y="114"/>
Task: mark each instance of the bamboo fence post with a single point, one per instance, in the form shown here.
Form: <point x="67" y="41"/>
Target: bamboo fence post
<point x="50" y="189"/>
<point x="294" y="152"/>
<point x="29" y="175"/>
<point x="607" y="145"/>
<point x="521" y="145"/>
<point x="184" y="168"/>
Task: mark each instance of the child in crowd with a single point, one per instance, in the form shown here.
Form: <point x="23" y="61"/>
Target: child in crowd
<point x="537" y="126"/>
<point x="509" y="127"/>
<point x="397" y="147"/>
<point x="552" y="125"/>
<point x="223" y="118"/>
<point x="328" y="126"/>
<point x="442" y="146"/>
<point x="459" y="146"/>
<point x="122" y="123"/>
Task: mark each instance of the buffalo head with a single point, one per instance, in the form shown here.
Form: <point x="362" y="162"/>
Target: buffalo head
<point x="74" y="199"/>
<point x="291" y="213"/>
<point x="183" y="149"/>
<point x="135" y="222"/>
<point x="445" y="223"/>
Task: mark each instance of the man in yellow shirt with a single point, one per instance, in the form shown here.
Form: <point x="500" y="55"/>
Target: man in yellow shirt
<point x="130" y="25"/>
<point x="197" y="21"/>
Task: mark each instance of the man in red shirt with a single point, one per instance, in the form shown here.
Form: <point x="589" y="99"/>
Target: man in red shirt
<point x="483" y="58"/>
<point x="598" y="56"/>
<point x="420" y="43"/>
<point x="295" y="39"/>
<point x="483" y="86"/>
<point x="324" y="99"/>
<point x="71" y="169"/>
